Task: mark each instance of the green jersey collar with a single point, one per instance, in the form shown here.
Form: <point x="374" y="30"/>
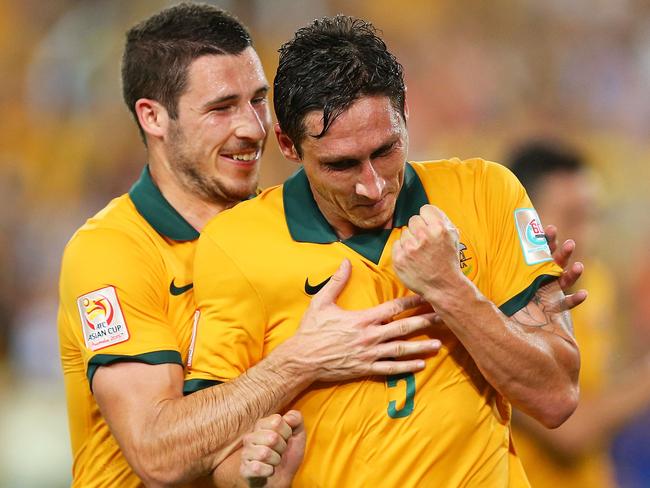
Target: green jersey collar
<point x="153" y="206"/>
<point x="307" y="224"/>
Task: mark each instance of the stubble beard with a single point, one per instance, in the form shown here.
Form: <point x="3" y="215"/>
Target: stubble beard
<point x="210" y="189"/>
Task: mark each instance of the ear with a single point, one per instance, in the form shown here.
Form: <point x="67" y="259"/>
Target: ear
<point x="153" y="117"/>
<point x="406" y="104"/>
<point x="287" y="147"/>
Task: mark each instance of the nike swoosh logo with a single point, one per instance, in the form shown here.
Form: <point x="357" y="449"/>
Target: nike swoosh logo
<point x="179" y="290"/>
<point x="312" y="290"/>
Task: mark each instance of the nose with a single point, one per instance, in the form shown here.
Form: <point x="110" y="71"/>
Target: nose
<point x="369" y="184"/>
<point x="251" y="124"/>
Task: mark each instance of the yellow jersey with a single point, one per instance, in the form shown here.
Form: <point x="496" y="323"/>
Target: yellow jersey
<point x="258" y="265"/>
<point x="125" y="295"/>
<point x="593" y="326"/>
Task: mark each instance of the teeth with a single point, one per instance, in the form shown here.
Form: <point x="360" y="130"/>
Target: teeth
<point x="245" y="156"/>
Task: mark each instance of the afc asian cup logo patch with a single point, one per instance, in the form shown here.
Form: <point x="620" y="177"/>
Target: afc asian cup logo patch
<point x="102" y="320"/>
<point x="531" y="236"/>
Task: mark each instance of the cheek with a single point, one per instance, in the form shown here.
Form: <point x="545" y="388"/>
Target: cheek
<point x="264" y="114"/>
<point x="336" y="188"/>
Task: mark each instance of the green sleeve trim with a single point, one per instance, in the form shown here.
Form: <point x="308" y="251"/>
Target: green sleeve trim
<point x="156" y="357"/>
<point x="520" y="300"/>
<point x="192" y="386"/>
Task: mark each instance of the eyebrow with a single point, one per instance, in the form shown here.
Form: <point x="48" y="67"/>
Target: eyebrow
<point x="263" y="90"/>
<point x="387" y="146"/>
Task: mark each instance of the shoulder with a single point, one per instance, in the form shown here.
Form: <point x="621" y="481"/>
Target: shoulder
<point x="116" y="236"/>
<point x="474" y="176"/>
<point x="476" y="168"/>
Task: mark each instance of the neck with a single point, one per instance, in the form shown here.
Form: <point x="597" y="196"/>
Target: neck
<point x="194" y="209"/>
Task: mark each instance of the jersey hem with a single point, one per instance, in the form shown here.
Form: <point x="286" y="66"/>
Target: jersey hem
<point x="191" y="386"/>
<point x="155" y="357"/>
<point x="521" y="299"/>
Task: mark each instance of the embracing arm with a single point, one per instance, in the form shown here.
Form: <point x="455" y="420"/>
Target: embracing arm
<point x="531" y="358"/>
<point x="170" y="439"/>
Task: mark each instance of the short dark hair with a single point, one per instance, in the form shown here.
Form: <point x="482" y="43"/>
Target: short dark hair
<point x="159" y="50"/>
<point x="327" y="66"/>
<point x="534" y="160"/>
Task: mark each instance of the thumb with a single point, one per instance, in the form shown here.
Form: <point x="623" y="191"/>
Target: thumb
<point x="293" y="418"/>
<point x="333" y="288"/>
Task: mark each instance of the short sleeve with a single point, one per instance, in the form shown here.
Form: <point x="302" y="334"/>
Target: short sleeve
<point x="231" y="327"/>
<point x="112" y="302"/>
<point x="519" y="259"/>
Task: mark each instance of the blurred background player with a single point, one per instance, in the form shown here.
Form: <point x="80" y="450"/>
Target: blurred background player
<point x="576" y="454"/>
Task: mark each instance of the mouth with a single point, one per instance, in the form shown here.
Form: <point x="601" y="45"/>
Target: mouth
<point x="375" y="204"/>
<point x="243" y="158"/>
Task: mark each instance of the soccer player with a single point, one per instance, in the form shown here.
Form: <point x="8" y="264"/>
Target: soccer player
<point x="197" y="91"/>
<point x="576" y="454"/>
<point x="461" y="234"/>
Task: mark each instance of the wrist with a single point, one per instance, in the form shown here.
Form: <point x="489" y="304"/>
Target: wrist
<point x="456" y="294"/>
<point x="287" y="361"/>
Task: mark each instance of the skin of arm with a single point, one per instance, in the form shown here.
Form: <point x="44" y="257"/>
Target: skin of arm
<point x="598" y="417"/>
<point x="531" y="358"/>
<point x="170" y="439"/>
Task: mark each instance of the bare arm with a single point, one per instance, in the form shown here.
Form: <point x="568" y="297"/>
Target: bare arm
<point x="531" y="358"/>
<point x="169" y="439"/>
<point x="598" y="417"/>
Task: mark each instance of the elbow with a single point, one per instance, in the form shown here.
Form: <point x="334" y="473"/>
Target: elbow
<point x="159" y="479"/>
<point x="158" y="473"/>
<point x="559" y="407"/>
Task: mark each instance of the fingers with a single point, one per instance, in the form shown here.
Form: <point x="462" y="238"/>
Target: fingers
<point x="564" y="252"/>
<point x="405" y="326"/>
<point x="551" y="237"/>
<point x="570" y="276"/>
<point x="293" y="418"/>
<point x="398" y="349"/>
<point x="262" y="449"/>
<point x="387" y="368"/>
<point x="333" y="288"/>
<point x="386" y="311"/>
<point x="575" y="299"/>
<point x="273" y="424"/>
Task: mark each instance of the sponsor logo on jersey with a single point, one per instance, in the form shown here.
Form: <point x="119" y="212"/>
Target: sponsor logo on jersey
<point x="102" y="319"/>
<point x="179" y="290"/>
<point x="531" y="236"/>
<point x="313" y="289"/>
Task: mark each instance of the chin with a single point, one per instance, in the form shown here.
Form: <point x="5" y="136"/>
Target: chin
<point x="371" y="223"/>
<point x="240" y="192"/>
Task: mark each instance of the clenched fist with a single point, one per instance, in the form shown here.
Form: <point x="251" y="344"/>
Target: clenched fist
<point x="426" y="256"/>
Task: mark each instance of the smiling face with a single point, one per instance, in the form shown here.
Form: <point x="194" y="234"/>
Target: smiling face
<point x="215" y="144"/>
<point x="356" y="169"/>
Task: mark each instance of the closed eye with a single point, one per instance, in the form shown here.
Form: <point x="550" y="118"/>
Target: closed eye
<point x="341" y="165"/>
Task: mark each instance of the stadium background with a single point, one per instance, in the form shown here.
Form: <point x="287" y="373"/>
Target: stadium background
<point x="481" y="77"/>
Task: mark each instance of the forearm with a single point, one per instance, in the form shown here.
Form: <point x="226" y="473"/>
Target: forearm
<point x="191" y="435"/>
<point x="535" y="368"/>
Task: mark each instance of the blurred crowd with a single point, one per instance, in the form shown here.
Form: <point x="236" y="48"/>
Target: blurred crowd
<point x="482" y="77"/>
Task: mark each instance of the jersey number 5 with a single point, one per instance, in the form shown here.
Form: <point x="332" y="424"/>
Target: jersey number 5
<point x="392" y="382"/>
